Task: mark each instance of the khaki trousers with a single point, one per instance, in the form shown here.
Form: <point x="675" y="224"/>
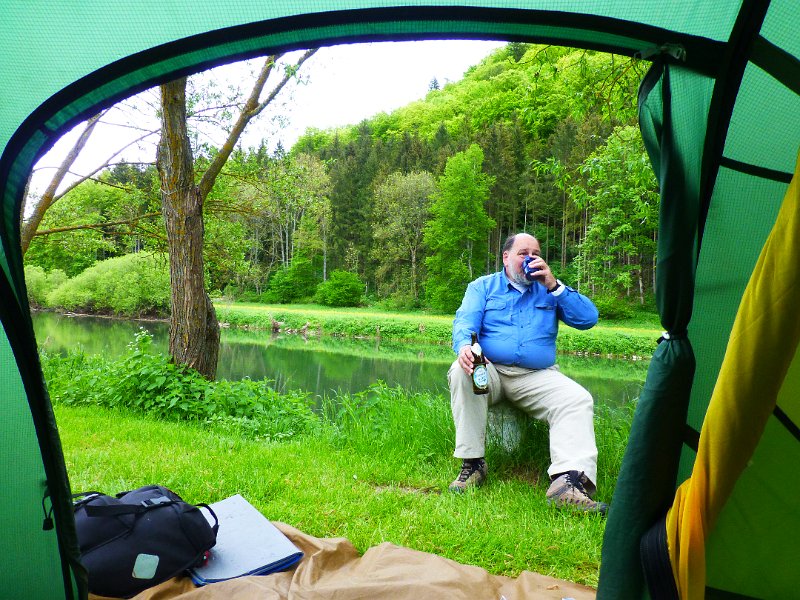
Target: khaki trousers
<point x="544" y="394"/>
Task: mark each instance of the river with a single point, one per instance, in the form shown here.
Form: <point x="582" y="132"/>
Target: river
<point x="322" y="366"/>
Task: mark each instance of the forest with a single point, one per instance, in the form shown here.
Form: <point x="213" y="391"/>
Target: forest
<point x="400" y="210"/>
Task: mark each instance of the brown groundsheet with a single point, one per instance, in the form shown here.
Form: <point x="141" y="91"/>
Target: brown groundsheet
<point x="332" y="569"/>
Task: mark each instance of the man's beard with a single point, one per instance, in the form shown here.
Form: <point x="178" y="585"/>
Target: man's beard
<point x="518" y="277"/>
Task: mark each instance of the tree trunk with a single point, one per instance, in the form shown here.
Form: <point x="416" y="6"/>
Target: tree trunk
<point x="193" y="327"/>
<point x="414" y="273"/>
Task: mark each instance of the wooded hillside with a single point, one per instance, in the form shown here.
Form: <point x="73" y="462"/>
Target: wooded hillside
<point x="415" y="203"/>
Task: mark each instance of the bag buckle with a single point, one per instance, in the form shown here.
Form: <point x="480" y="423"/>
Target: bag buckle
<point x="156" y="501"/>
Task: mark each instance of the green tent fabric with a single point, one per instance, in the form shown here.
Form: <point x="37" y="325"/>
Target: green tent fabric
<point x="720" y="114"/>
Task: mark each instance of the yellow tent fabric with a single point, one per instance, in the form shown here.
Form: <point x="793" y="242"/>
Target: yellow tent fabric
<point x="763" y="344"/>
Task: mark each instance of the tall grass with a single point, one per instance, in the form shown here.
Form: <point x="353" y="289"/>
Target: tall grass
<point x="372" y="466"/>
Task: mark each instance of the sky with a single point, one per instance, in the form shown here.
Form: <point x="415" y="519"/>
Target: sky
<point x="341" y="85"/>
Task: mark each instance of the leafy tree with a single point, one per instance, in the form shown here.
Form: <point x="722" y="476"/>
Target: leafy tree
<point x="354" y="167"/>
<point x="194" y="330"/>
<point x="457" y="234"/>
<point x="618" y="252"/>
<point x="89" y="223"/>
<point x="36" y="206"/>
<point x="315" y="230"/>
<point x="400" y="213"/>
<point x="295" y="184"/>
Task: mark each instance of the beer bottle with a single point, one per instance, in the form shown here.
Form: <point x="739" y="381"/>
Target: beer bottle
<point x="480" y="375"/>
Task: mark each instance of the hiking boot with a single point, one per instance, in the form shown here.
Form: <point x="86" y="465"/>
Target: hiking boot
<point x="569" y="489"/>
<point x="473" y="474"/>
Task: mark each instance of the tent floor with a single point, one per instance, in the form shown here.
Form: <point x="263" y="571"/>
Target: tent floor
<point x="332" y="568"/>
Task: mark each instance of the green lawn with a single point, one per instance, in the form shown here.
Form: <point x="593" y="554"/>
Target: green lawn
<point x="371" y="467"/>
<point x="367" y="486"/>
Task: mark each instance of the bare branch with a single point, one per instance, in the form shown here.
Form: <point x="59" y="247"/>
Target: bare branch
<point x="105" y="165"/>
<point x="49" y="196"/>
<point x="252" y="108"/>
<point x="96" y="226"/>
<point x="286" y="77"/>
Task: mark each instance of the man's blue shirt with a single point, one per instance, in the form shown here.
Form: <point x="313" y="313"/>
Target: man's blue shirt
<point x="518" y="328"/>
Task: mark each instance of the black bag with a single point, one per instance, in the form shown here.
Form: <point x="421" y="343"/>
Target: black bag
<point x="140" y="538"/>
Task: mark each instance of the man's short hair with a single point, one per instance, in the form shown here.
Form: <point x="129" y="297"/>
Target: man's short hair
<point x="509" y="242"/>
<point x="507" y="245"/>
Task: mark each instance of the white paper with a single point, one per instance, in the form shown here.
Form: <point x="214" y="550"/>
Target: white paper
<point x="247" y="544"/>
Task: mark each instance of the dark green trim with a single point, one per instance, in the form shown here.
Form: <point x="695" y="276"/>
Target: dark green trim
<point x="790" y="425"/>
<point x="745" y="31"/>
<point x="19" y="330"/>
<point x="691" y="437"/>
<point x="717" y="594"/>
<point x="649" y="81"/>
<point x="762" y="172"/>
<point x="778" y="63"/>
<point x="656" y="563"/>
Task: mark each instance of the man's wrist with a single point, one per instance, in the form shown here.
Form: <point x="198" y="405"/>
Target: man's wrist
<point x="557" y="288"/>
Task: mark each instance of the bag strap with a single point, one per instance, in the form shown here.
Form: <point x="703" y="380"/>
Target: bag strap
<point x="112" y="510"/>
<point x="84" y="497"/>
<point x="215" y="526"/>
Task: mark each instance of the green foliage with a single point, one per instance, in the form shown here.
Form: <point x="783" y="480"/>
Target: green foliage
<point x="95" y="204"/>
<point x="400" y="214"/>
<point x="342" y="289"/>
<point x="611" y="307"/>
<point x="132" y="285"/>
<point x="293" y="283"/>
<point x="619" y="189"/>
<point x="149" y="384"/>
<point x="456" y="235"/>
<point x="40" y="284"/>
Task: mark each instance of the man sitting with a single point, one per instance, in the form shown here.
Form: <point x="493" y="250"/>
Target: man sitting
<point x="515" y="313"/>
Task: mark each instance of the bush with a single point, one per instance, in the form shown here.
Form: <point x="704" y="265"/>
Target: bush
<point x="611" y="307"/>
<point x="130" y="285"/>
<point x="292" y="283"/>
<point x="40" y="284"/>
<point x="343" y="288"/>
<point x="148" y="383"/>
<point x="399" y="301"/>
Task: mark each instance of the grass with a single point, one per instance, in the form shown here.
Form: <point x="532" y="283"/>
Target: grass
<point x="374" y="469"/>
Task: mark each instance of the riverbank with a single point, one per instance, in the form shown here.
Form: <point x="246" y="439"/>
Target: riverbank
<point x="634" y="339"/>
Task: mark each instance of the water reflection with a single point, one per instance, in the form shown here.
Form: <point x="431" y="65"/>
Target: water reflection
<point x="322" y="366"/>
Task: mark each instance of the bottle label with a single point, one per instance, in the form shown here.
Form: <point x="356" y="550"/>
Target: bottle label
<point x="480" y="376"/>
